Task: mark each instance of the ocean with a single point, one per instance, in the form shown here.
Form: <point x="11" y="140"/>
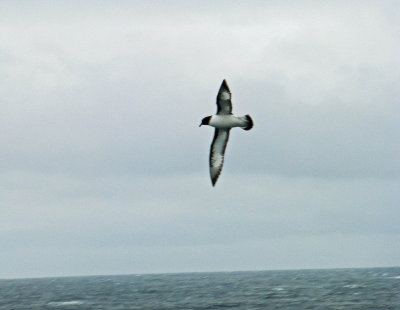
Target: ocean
<point x="372" y="288"/>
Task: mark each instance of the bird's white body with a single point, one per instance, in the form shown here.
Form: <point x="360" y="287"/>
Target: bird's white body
<point x="227" y="121"/>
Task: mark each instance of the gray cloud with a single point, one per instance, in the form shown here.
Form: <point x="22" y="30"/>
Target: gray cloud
<point x="101" y="152"/>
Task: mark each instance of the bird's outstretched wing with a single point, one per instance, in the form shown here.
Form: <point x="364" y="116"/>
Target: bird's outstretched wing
<point x="224" y="104"/>
<point x="217" y="152"/>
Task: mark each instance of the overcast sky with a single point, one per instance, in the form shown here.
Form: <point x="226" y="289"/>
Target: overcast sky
<point x="104" y="169"/>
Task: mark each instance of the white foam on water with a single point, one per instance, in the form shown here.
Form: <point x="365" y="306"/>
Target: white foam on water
<point x="351" y="286"/>
<point x="65" y="303"/>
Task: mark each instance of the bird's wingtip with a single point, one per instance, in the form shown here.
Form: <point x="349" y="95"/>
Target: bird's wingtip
<point x="224" y="85"/>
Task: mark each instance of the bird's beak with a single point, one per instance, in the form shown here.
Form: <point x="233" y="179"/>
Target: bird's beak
<point x="200" y="125"/>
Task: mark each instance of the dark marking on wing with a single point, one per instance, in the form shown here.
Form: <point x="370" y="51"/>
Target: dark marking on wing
<point x="217" y="153"/>
<point x="224" y="105"/>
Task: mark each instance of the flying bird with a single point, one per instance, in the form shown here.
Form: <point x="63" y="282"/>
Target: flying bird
<point x="223" y="121"/>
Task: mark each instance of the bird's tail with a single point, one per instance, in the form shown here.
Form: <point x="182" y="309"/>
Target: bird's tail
<point x="249" y="122"/>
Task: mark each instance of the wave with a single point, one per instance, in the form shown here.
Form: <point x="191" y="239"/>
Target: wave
<point x="65" y="303"/>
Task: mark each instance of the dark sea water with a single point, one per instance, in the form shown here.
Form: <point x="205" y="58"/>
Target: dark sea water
<point x="374" y="288"/>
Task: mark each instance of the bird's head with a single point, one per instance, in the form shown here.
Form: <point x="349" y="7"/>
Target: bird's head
<point x="205" y="121"/>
